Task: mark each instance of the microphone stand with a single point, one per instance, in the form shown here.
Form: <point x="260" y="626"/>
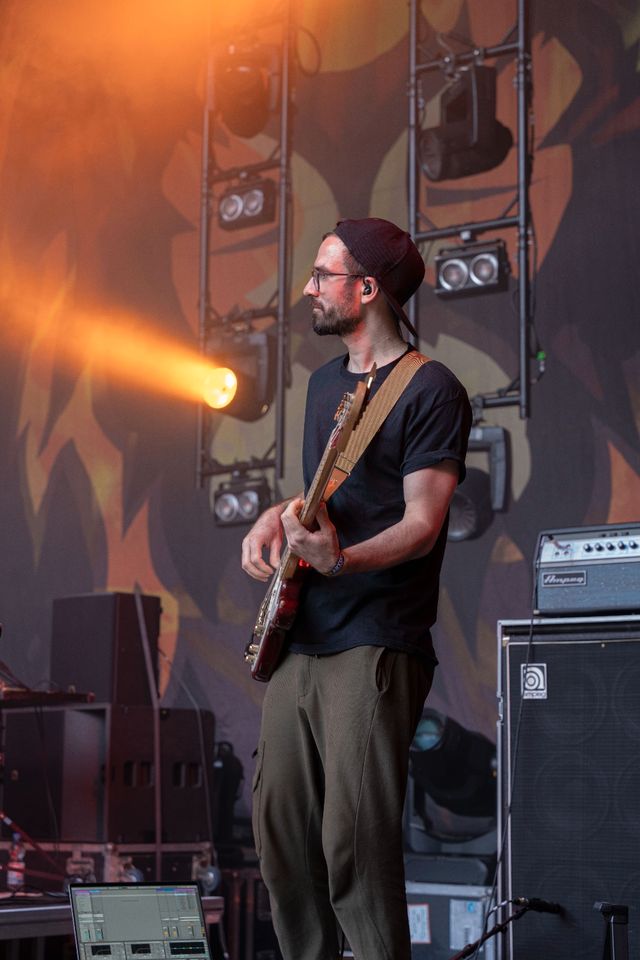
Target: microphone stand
<point x="616" y="943"/>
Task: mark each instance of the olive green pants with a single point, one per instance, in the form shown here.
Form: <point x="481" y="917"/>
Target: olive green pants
<point x="329" y="792"/>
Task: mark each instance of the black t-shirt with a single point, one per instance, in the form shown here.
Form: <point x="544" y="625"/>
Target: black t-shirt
<point x="397" y="606"/>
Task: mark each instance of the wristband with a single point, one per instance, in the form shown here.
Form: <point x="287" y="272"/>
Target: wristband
<point x="337" y="567"/>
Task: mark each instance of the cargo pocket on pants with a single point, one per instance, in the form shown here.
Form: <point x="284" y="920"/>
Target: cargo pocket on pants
<point x="256" y="789"/>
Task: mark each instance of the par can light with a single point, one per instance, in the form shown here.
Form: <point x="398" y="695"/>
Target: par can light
<point x="484" y="269"/>
<point x="251" y="359"/>
<point x="230" y="208"/>
<point x="474" y="268"/>
<point x="240" y="501"/>
<point x="454" y="275"/>
<point x="247" y="205"/>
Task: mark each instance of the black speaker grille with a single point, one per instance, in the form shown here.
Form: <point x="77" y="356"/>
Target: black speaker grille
<point x="575" y="813"/>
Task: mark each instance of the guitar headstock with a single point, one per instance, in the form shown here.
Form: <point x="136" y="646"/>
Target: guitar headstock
<point x="343" y="408"/>
<point x="340" y="417"/>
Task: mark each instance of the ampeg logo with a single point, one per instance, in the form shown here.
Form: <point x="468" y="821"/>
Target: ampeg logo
<point x="562" y="578"/>
<point x="533" y="681"/>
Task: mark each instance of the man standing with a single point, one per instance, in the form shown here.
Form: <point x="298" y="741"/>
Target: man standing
<point x="342" y="707"/>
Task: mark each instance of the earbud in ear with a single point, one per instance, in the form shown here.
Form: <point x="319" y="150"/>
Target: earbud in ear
<point x="366" y="287"/>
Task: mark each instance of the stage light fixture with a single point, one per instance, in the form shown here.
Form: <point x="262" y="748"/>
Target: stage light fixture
<point x="247" y="205"/>
<point x="251" y="355"/>
<point x="469" y="139"/>
<point x="470" y="513"/>
<point x="244" y="88"/>
<point x="481" y="494"/>
<point x="240" y="500"/>
<point x="219" y="387"/>
<point x="472" y="268"/>
<point x="454" y="766"/>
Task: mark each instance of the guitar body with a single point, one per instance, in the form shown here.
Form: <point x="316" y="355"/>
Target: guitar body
<point x="275" y="618"/>
<point x="278" y="609"/>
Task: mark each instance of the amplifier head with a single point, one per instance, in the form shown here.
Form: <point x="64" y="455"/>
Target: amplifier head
<point x="588" y="570"/>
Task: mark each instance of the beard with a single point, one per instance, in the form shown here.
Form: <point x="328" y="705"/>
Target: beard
<point x="332" y="322"/>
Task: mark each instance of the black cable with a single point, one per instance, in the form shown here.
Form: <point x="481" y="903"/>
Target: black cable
<point x="316" y="44"/>
<point x="515" y="753"/>
<point x="509" y="207"/>
<point x="536" y="350"/>
<point x="463" y="40"/>
<point x="508" y="34"/>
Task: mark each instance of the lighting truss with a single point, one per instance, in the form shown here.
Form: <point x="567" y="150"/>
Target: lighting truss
<point x="249" y="83"/>
<point x="451" y="64"/>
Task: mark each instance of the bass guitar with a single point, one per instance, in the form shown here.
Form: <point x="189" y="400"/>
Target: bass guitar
<point x="279" y="607"/>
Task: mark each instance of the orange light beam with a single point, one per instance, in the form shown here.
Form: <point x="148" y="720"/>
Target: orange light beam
<point x="123" y="351"/>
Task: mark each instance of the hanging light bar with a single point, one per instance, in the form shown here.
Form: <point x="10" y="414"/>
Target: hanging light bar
<point x="472" y="268"/>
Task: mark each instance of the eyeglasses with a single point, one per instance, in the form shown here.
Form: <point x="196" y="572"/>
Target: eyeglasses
<point x="318" y="275"/>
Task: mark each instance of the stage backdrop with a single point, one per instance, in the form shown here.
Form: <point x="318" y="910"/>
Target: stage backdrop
<point x="100" y="144"/>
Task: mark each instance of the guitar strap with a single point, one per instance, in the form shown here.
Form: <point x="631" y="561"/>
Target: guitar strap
<point x="373" y="417"/>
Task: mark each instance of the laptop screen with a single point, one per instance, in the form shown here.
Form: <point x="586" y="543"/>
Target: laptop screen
<point x="145" y="920"/>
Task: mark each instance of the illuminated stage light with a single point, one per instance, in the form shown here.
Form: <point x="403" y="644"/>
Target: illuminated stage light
<point x="473" y="268"/>
<point x="240" y="500"/>
<point x="251" y="356"/>
<point x="247" y="205"/>
<point x="220" y="387"/>
<point x="469" y="139"/>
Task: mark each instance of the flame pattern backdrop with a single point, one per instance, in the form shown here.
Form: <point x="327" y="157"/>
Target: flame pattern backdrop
<point x="100" y="154"/>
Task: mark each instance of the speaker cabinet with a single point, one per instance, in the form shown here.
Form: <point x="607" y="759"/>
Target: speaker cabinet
<point x="96" y="646"/>
<point x="571" y="777"/>
<point x="87" y="774"/>
<point x="247" y="916"/>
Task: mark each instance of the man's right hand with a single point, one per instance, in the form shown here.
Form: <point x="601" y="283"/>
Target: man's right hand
<point x="265" y="535"/>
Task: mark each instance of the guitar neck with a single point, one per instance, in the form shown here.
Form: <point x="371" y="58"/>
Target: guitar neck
<point x="289" y="560"/>
<point x="335" y="446"/>
<point x="313" y="498"/>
